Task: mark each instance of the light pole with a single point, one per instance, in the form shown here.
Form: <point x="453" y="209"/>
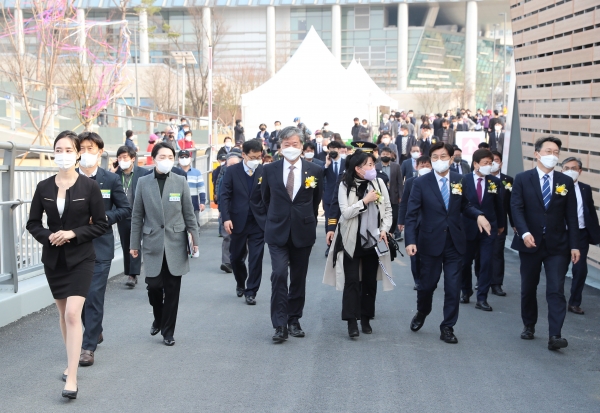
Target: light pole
<point x="137" y="52"/>
<point x="504" y="64"/>
<point x="183" y="58"/>
<point x="493" y="64"/>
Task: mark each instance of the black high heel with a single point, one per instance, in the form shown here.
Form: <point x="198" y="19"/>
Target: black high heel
<point x="70" y="394"/>
<point x="64" y="377"/>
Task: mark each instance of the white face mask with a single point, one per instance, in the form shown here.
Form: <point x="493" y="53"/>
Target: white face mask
<point x="385" y="141"/>
<point x="441" y="166"/>
<point x="485" y="170"/>
<point x="185" y="161"/>
<point x="424" y="171"/>
<point x="549" y="161"/>
<point x="343" y="156"/>
<point x="125" y="164"/>
<point x="574" y="175"/>
<point x="277" y="127"/>
<point x="228" y="144"/>
<point x="319" y="140"/>
<point x="253" y="164"/>
<point x="188" y="138"/>
<point x="495" y="167"/>
<point x="65" y="160"/>
<point x="498" y="128"/>
<point x="291" y="153"/>
<point x="309" y="155"/>
<point x="415" y="155"/>
<point x="88" y="160"/>
<point x="165" y="165"/>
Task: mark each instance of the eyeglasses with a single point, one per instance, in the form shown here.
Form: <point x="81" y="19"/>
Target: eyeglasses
<point x="436" y="157"/>
<point x="183" y="156"/>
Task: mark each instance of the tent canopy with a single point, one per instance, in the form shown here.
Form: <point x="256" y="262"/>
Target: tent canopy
<point x="372" y="93"/>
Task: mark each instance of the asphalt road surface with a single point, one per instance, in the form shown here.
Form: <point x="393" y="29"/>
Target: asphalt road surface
<point x="224" y="359"/>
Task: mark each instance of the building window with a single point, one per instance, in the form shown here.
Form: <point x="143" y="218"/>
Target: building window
<point x="361" y="18"/>
<point x="370" y="55"/>
<point x="390" y="16"/>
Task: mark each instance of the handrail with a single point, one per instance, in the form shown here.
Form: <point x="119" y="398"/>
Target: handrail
<point x="16" y="202"/>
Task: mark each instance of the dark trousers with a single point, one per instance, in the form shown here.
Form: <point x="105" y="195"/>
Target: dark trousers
<point x="580" y="270"/>
<point x="431" y="270"/>
<point x="326" y="208"/>
<point x="498" y="259"/>
<point x="359" y="296"/>
<point x="415" y="267"/>
<point x="251" y="242"/>
<point x="484" y="245"/>
<point x="225" y="245"/>
<point x="165" y="311"/>
<point x="93" y="308"/>
<point x="131" y="266"/>
<point x="394" y="227"/>
<point x="556" y="267"/>
<point x="287" y="304"/>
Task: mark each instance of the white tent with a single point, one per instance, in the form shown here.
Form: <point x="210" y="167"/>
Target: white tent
<point x="370" y="92"/>
<point x="313" y="86"/>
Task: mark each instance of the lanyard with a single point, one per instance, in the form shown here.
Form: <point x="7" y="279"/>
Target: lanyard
<point x="126" y="188"/>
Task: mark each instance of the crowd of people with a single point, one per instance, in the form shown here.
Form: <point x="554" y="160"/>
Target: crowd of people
<point x="378" y="190"/>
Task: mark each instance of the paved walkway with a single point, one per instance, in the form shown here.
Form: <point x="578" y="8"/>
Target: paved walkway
<point x="224" y="360"/>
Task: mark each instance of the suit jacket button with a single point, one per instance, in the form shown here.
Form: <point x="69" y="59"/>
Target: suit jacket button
<point x="162" y="226"/>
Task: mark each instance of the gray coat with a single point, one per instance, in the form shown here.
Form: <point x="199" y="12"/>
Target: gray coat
<point x="163" y="224"/>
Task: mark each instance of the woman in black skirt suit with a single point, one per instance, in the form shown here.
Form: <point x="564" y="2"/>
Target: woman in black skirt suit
<point x="75" y="216"/>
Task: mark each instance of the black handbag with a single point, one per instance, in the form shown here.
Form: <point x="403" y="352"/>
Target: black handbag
<point x="394" y="247"/>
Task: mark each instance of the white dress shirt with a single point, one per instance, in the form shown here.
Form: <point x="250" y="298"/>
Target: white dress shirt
<point x="247" y="169"/>
<point x="90" y="175"/>
<point x="297" y="174"/>
<point x="484" y="189"/>
<point x="580" y="216"/>
<point x="541" y="181"/>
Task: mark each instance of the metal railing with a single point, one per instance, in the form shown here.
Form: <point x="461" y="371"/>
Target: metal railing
<point x="20" y="253"/>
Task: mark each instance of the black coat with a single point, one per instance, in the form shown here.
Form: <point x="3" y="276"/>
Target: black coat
<point x="287" y="218"/>
<point x="83" y="200"/>
<point x="491" y="206"/>
<point x="589" y="214"/>
<point x="507" y="184"/>
<point x="331" y="180"/>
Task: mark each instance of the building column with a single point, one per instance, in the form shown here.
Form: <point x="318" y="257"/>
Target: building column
<point x="431" y="15"/>
<point x="20" y="32"/>
<point x="336" y="32"/>
<point x="471" y="35"/>
<point x="402" y="46"/>
<point x="207" y="41"/>
<point x="81" y="36"/>
<point x="144" y="47"/>
<point x="270" y="41"/>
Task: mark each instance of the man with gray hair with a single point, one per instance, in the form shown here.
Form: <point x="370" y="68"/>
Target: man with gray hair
<point x="589" y="230"/>
<point x="290" y="229"/>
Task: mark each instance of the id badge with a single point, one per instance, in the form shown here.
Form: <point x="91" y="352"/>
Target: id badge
<point x="105" y="193"/>
<point x="174" y="197"/>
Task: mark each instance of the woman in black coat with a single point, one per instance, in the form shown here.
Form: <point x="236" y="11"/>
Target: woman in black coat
<point x="75" y="216"/>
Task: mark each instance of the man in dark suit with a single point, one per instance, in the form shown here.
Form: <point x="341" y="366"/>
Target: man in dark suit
<point x="482" y="190"/>
<point x="446" y="134"/>
<point x="274" y="138"/>
<point x="404" y="142"/>
<point x="322" y="156"/>
<point x="291" y="190"/>
<point x="437" y="125"/>
<point x="423" y="167"/>
<point x="497" y="138"/>
<point x="129" y="173"/>
<point x="395" y="182"/>
<point x="459" y="165"/>
<point x="499" y="245"/>
<point x="309" y="154"/>
<point x="544" y="209"/>
<point x="409" y="166"/>
<point x="589" y="230"/>
<point x="334" y="169"/>
<point x="437" y="199"/>
<point x="117" y="209"/>
<point x="427" y="139"/>
<point x="243" y="215"/>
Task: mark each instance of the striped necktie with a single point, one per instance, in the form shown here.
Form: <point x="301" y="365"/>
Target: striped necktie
<point x="546" y="192"/>
<point x="445" y="192"/>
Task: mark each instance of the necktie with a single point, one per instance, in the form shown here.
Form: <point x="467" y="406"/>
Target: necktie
<point x="250" y="172"/>
<point x="445" y="193"/>
<point x="335" y="168"/>
<point x="290" y="182"/>
<point x="479" y="190"/>
<point x="546" y="193"/>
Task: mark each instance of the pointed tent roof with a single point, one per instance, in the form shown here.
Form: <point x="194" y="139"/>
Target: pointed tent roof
<point x="373" y="94"/>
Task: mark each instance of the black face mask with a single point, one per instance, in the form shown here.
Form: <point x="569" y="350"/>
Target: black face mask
<point x="333" y="154"/>
<point x="385" y="159"/>
<point x="263" y="129"/>
<point x="457" y="159"/>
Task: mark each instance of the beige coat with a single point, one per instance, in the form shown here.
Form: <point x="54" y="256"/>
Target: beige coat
<point x="351" y="207"/>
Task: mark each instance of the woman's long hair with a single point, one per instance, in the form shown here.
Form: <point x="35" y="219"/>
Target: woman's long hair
<point x="358" y="158"/>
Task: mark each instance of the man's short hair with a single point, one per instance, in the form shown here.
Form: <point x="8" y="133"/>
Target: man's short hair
<point x="253" y="145"/>
<point x="309" y="145"/>
<point x="481" y="154"/>
<point x="423" y="159"/>
<point x="128" y="133"/>
<point x="405" y="127"/>
<point x="227" y="137"/>
<point x="483" y="145"/>
<point x="571" y="159"/>
<point x="498" y="154"/>
<point x="386" y="149"/>
<point x="440" y="145"/>
<point x="540" y="142"/>
<point x="159" y="146"/>
<point x="126" y="149"/>
<point x="425" y="126"/>
<point x="355" y="119"/>
<point x="92" y="137"/>
<point x="335" y="145"/>
<point x="289" y="132"/>
<point x="385" y="133"/>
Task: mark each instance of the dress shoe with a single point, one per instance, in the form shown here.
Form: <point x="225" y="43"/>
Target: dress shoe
<point x="86" y="358"/>
<point x="281" y="334"/>
<point x="575" y="309"/>
<point x="528" y="333"/>
<point x="169" y="341"/>
<point x="417" y="321"/>
<point x="365" y="325"/>
<point x="353" y="329"/>
<point x="70" y="394"/>
<point x="295" y="330"/>
<point x="251" y="300"/>
<point x="64" y="377"/>
<point x="131" y="281"/>
<point x="464" y="298"/>
<point x="483" y="305"/>
<point x="226" y="268"/>
<point x="447" y="335"/>
<point x="100" y="339"/>
<point x="557" y="342"/>
<point x="154" y="330"/>
<point x="239" y="291"/>
<point x="497" y="290"/>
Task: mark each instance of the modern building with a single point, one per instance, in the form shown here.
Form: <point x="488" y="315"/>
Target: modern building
<point x="557" y="58"/>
